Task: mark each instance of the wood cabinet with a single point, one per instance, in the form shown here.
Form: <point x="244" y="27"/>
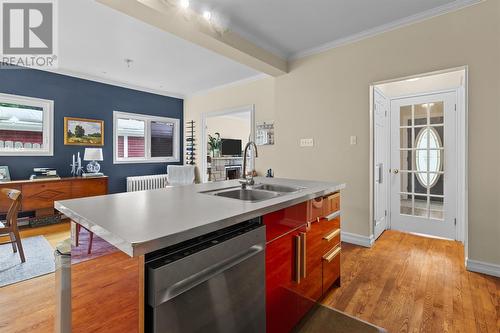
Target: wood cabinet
<point x="39" y="196"/>
<point x="42" y="195"/>
<point x="331" y="248"/>
<point x="331" y="204"/>
<point x="302" y="259"/>
<point x="81" y="189"/>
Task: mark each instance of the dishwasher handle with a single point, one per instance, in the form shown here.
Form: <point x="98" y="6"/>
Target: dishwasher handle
<point x="205" y="275"/>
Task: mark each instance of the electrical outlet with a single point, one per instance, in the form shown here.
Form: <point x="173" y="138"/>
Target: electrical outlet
<point x="354" y="139"/>
<point x="308" y="142"/>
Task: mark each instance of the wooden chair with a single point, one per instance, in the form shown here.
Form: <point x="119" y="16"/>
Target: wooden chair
<point x="91" y="237"/>
<point x="10" y="227"/>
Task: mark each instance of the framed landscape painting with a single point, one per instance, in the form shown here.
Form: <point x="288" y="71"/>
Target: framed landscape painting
<point x="83" y="132"/>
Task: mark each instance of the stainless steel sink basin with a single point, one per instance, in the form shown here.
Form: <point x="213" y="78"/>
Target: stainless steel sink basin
<point x="258" y="192"/>
<point x="247" y="194"/>
<point x="276" y="188"/>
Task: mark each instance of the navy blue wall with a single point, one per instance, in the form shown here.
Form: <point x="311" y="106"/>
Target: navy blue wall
<point x="86" y="99"/>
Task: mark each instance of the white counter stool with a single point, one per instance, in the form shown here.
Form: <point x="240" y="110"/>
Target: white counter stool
<point x="178" y="175"/>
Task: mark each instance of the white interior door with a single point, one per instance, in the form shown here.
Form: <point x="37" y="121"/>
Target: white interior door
<point x="381" y="162"/>
<point x="424" y="164"/>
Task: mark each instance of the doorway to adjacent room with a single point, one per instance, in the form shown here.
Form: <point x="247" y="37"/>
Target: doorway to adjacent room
<point x="224" y="136"/>
<point x="419" y="153"/>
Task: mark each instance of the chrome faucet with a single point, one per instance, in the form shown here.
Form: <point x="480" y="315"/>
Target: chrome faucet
<point x="244" y="181"/>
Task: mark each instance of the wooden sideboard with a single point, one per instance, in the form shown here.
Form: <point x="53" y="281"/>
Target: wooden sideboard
<point x="39" y="195"/>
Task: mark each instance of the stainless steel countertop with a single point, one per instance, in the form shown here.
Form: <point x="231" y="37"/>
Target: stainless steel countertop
<point x="141" y="222"/>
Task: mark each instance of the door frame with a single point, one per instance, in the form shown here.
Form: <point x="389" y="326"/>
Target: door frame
<point x="373" y="238"/>
<point x="462" y="152"/>
<point x="203" y="141"/>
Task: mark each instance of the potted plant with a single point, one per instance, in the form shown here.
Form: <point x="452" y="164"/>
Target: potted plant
<point x="214" y="144"/>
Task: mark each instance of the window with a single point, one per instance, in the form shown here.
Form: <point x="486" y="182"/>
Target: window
<point x="428" y="157"/>
<point x="145" y="139"/>
<point x="26" y="126"/>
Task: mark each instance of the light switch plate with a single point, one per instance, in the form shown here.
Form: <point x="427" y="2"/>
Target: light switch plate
<point x="354" y="139"/>
<point x="308" y="142"/>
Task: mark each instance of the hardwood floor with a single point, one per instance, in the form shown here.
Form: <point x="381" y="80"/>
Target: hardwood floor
<point x="54" y="234"/>
<point x="405" y="283"/>
<point x="29" y="306"/>
<point x="408" y="283"/>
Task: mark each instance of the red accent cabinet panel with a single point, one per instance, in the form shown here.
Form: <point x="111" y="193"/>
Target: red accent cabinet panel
<point x="281" y="300"/>
<point x="300" y="260"/>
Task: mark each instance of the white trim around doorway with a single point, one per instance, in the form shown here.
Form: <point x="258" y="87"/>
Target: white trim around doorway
<point x="462" y="153"/>
<point x="203" y="139"/>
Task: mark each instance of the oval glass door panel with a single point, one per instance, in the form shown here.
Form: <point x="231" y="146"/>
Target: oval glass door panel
<point x="428" y="156"/>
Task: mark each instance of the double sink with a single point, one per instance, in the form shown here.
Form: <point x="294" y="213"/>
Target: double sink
<point x="255" y="193"/>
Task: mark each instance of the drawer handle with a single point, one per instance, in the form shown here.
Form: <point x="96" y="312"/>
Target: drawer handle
<point x="332" y="235"/>
<point x="333" y="215"/>
<point x="297" y="249"/>
<point x="318" y="202"/>
<point x="303" y="255"/>
<point x="331" y="254"/>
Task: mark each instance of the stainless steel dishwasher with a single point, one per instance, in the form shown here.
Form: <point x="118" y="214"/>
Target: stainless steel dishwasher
<point x="214" y="283"/>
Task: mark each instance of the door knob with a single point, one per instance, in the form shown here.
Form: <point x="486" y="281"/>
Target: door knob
<point x="396" y="171"/>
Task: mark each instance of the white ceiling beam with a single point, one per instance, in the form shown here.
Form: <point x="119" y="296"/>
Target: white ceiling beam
<point x="194" y="29"/>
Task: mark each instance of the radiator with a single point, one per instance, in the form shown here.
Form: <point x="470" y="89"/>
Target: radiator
<point x="141" y="183"/>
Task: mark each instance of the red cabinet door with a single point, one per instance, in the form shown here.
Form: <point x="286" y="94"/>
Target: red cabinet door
<point x="294" y="265"/>
<point x="282" y="268"/>
<point x="282" y="301"/>
<point x="310" y="286"/>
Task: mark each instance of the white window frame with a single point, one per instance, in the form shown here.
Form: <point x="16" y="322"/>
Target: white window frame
<point x="47" y="125"/>
<point x="147" y="139"/>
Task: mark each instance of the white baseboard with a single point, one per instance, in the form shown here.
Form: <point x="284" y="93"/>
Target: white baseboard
<point x="482" y="267"/>
<point x="357" y="239"/>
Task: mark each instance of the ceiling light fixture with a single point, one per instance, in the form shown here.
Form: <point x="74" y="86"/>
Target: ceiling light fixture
<point x="184" y="4"/>
<point x="128" y="62"/>
<point x="207" y="15"/>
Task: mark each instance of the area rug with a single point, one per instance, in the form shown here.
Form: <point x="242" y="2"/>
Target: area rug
<point x="99" y="248"/>
<point x="39" y="261"/>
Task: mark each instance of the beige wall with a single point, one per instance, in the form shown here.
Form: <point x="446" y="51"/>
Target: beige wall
<point x="438" y="82"/>
<point x="230" y="127"/>
<point x="326" y="96"/>
<point x="259" y="93"/>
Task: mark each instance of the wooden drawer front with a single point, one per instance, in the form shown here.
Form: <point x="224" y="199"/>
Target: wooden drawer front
<point x="89" y="188"/>
<point x="4" y="201"/>
<point x="315" y="209"/>
<point x="40" y="196"/>
<point x="283" y="221"/>
<point x="331" y="267"/>
<point x="332" y="204"/>
<point x="332" y="237"/>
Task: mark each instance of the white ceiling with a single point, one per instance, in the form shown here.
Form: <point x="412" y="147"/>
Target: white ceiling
<point x="94" y="40"/>
<point x="292" y="27"/>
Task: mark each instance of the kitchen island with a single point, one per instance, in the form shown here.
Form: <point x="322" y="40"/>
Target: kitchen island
<point x="108" y="288"/>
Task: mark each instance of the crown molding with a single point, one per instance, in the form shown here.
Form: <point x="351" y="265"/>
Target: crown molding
<point x="230" y="84"/>
<point x="428" y="14"/>
<point x="112" y="82"/>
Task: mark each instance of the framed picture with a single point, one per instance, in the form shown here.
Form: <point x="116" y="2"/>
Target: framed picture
<point x="83" y="132"/>
<point x="4" y="174"/>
